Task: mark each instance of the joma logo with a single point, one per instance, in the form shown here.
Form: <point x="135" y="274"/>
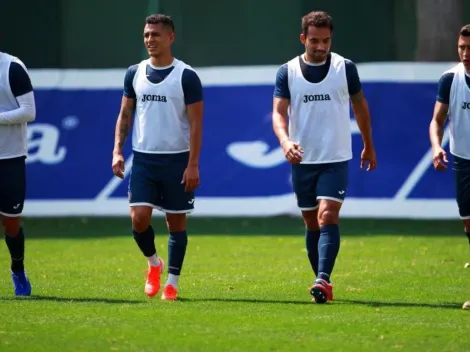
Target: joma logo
<point x="316" y="97"/>
<point x="153" y="97"/>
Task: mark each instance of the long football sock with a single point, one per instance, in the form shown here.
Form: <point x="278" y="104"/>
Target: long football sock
<point x="328" y="248"/>
<point x="311" y="243"/>
<point x="16" y="248"/>
<point x="146" y="242"/>
<point x="177" y="243"/>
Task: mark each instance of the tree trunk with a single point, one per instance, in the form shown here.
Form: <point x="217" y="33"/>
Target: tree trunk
<point x="438" y="24"/>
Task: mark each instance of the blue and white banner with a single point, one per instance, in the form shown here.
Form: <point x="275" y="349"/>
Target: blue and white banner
<point x="243" y="170"/>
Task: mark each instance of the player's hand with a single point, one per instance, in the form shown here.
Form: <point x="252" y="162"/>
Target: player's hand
<point x="118" y="165"/>
<point x="191" y="178"/>
<point x="439" y="158"/>
<point x="292" y="151"/>
<point x="368" y="155"/>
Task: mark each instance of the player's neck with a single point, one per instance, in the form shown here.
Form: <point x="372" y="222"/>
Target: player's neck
<point x="310" y="60"/>
<point x="162" y="61"/>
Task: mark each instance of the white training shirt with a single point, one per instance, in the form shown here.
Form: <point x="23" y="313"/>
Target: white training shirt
<point x="319" y="115"/>
<point x="459" y="113"/>
<point x="14" y="113"/>
<point x="161" y="123"/>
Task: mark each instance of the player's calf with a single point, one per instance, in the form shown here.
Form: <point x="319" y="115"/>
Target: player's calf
<point x="144" y="237"/>
<point x="14" y="239"/>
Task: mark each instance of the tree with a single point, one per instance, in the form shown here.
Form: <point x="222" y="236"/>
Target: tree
<point x="438" y="24"/>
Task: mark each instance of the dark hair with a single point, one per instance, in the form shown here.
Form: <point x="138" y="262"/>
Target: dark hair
<point x="160" y="18"/>
<point x="465" y="31"/>
<point x="319" y="19"/>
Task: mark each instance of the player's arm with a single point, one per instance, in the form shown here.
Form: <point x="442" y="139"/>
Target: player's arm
<point x="124" y="121"/>
<point x="281" y="101"/>
<point x="441" y="108"/>
<point x="193" y="97"/>
<point x="22" y="89"/>
<point x="362" y="114"/>
<point x="436" y="127"/>
<point x="359" y="103"/>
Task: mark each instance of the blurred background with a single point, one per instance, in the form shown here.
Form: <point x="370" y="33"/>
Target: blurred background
<point x="77" y="53"/>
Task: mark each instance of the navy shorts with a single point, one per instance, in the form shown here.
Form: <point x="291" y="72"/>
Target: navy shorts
<point x="12" y="186"/>
<point x="319" y="181"/>
<point x="155" y="181"/>
<point x="462" y="185"/>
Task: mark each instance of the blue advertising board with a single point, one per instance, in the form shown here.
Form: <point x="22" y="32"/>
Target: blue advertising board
<point x="243" y="170"/>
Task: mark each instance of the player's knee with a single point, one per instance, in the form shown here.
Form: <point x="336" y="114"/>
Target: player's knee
<point x="176" y="222"/>
<point x="466" y="224"/>
<point x="140" y="220"/>
<point x="11" y="226"/>
<point x="328" y="217"/>
<point x="311" y="219"/>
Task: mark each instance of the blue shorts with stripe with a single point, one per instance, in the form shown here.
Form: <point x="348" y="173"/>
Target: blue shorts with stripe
<point x="312" y="182"/>
<point x="155" y="181"/>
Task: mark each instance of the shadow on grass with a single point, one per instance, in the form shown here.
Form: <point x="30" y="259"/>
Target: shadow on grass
<point x="73" y="300"/>
<point x="339" y="301"/>
<point x="373" y="304"/>
<point x="401" y="304"/>
<point x="96" y="227"/>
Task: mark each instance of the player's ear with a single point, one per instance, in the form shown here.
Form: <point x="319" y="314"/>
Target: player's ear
<point x="303" y="39"/>
<point x="172" y="37"/>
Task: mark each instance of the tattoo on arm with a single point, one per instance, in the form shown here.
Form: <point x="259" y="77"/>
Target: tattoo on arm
<point x="123" y="123"/>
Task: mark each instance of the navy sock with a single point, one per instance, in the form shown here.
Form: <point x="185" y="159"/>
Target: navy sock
<point x="311" y="243"/>
<point x="468" y="235"/>
<point x="177" y="243"/>
<point x="146" y="241"/>
<point x="328" y="248"/>
<point x="16" y="248"/>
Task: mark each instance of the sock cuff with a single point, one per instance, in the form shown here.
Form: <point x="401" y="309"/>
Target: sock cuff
<point x="20" y="235"/>
<point x="329" y="227"/>
<point x="312" y="231"/>
<point x="148" y="232"/>
<point x="179" y="233"/>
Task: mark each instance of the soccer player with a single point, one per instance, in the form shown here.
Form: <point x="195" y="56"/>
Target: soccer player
<point x="17" y="108"/>
<point x="314" y="90"/>
<point x="453" y="102"/>
<point x="165" y="97"/>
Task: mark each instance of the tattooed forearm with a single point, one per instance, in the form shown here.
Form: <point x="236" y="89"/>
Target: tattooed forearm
<point x="123" y="125"/>
<point x="122" y="130"/>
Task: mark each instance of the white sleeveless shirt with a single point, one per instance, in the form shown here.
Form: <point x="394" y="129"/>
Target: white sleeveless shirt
<point x="459" y="113"/>
<point x="13" y="138"/>
<point x="161" y="124"/>
<point x="319" y="113"/>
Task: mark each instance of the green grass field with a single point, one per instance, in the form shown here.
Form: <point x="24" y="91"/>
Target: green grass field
<point x="399" y="286"/>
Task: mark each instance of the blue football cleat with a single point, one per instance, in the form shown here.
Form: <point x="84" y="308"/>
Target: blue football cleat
<point x="21" y="283"/>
